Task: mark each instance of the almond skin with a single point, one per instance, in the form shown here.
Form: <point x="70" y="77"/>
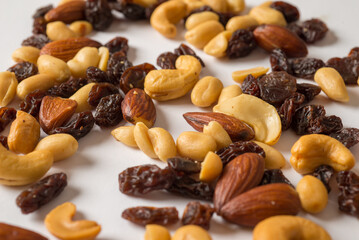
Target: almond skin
<point x="260" y="203"/>
<point x="12" y="232"/>
<point x="67" y="12"/>
<point x="236" y="129"/>
<point x="270" y="37"/>
<point x="240" y="175"/>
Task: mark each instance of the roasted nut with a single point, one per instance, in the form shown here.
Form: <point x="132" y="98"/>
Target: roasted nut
<point x="219" y="134"/>
<point x="81" y="28"/>
<point x="104" y="56"/>
<point x="26" y="54"/>
<point x="235" y="6"/>
<point x="24" y="133"/>
<point x="192" y="232"/>
<point x="67" y="12"/>
<point x="239" y="76"/>
<point x="145" y="3"/>
<point x="211" y="167"/>
<point x="40" y="81"/>
<point x="195" y="145"/>
<point x="192" y="5"/>
<point x="81" y="97"/>
<point x="273" y="159"/>
<point x="284" y="226"/>
<point x="312" y="193"/>
<point x="241" y="22"/>
<point x="61" y="145"/>
<point x="156" y="232"/>
<point x="313" y="150"/>
<point x="218" y="45"/>
<point x="163" y="144"/>
<point x="217" y="5"/>
<point x="59" y="31"/>
<point x="125" y="135"/>
<point x="200" y="35"/>
<point x="8" y="85"/>
<point x="267" y="15"/>
<point x="197" y="18"/>
<point x="206" y="91"/>
<point x="229" y="92"/>
<point x="65" y="1"/>
<point x="86" y="57"/>
<point x="50" y="65"/>
<point x="11" y="232"/>
<point x="332" y="84"/>
<point x="143" y="140"/>
<point x="59" y="222"/>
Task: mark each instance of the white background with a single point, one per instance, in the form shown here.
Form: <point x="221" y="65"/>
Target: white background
<point x="93" y="170"/>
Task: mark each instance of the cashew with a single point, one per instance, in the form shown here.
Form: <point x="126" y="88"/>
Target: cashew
<point x="200" y="35"/>
<point x="8" y="85"/>
<point x="287" y="228"/>
<point x="143" y="140"/>
<point x="211" y="167"/>
<point x="61" y="145"/>
<point x="59" y="31"/>
<point x="332" y="84"/>
<point x="59" y="222"/>
<point x="166" y="15"/>
<point x="163" y="144"/>
<point x="197" y="18"/>
<point x="86" y="57"/>
<point x="156" y="232"/>
<point x="239" y="76"/>
<point x="235" y="6"/>
<point x="241" y="22"/>
<point x="217" y="5"/>
<point x="81" y="28"/>
<point x="18" y="170"/>
<point x="191" y="232"/>
<point x="40" y="81"/>
<point x="313" y="150"/>
<point x="81" y="97"/>
<point x="215" y="130"/>
<point x="267" y="15"/>
<point x="206" y="91"/>
<point x="104" y="56"/>
<point x="274" y="159"/>
<point x="229" y="92"/>
<point x="218" y="45"/>
<point x="170" y="84"/>
<point x="50" y="65"/>
<point x="125" y="135"/>
<point x="192" y="5"/>
<point x="26" y="54"/>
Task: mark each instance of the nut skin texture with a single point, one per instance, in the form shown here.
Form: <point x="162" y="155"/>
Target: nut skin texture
<point x="156" y="232"/>
<point x="11" y="232"/>
<point x="67" y="12"/>
<point x="259" y="203"/>
<point x="191" y="232"/>
<point x="240" y="175"/>
<point x="8" y="85"/>
<point x="270" y="37"/>
<point x="137" y="106"/>
<point x="313" y="150"/>
<point x="200" y="35"/>
<point x="288" y="227"/>
<point x="206" y="91"/>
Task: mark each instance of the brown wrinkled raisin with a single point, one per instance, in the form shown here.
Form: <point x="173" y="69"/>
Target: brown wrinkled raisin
<point x="144" y="179"/>
<point x="167" y="60"/>
<point x="6" y="116"/>
<point x="295" y="28"/>
<point x="79" y="125"/>
<point x="117" y="64"/>
<point x="308" y="90"/>
<point x="348" y="67"/>
<point x="3" y="141"/>
<point x="183" y="166"/>
<point x="324" y="173"/>
<point x="183" y="49"/>
<point x="274" y="176"/>
<point x="348" y="136"/>
<point x="134" y="77"/>
<point x="151" y="215"/>
<point x="41" y="192"/>
<point x="32" y="102"/>
<point x="108" y="111"/>
<point x="36" y="40"/>
<point x="279" y="61"/>
<point x="241" y="44"/>
<point x="348" y="199"/>
<point x="197" y="214"/>
<point x="98" y="13"/>
<point x="39" y="26"/>
<point x="118" y="44"/>
<point x="313" y="30"/>
<point x="290" y="12"/>
<point x="23" y="70"/>
<point x="41" y="12"/>
<point x="354" y="52"/>
<point x="99" y="91"/>
<point x="235" y="149"/>
<point x="94" y="74"/>
<point x="287" y="110"/>
<point x="250" y="86"/>
<point x="305" y="67"/>
<point x="132" y="11"/>
<point x="68" y="88"/>
<point x="186" y="186"/>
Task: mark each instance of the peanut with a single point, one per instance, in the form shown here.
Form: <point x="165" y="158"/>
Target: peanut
<point x="81" y="97"/>
<point x="267" y="15"/>
<point x="143" y="140"/>
<point x="200" y="35"/>
<point x="163" y="144"/>
<point x="86" y="57"/>
<point x="8" y="85"/>
<point x="156" y="232"/>
<point x="239" y="76"/>
<point x="218" y="45"/>
<point x="26" y="54"/>
<point x="40" y="81"/>
<point x="211" y="167"/>
<point x="81" y="28"/>
<point x="104" y="56"/>
<point x="191" y="232"/>
<point x="50" y="65"/>
<point x="215" y="130"/>
<point x="206" y="91"/>
<point x="197" y="18"/>
<point x="229" y="92"/>
<point x="241" y="22"/>
<point x="125" y="135"/>
<point x="274" y="159"/>
<point x="59" y="31"/>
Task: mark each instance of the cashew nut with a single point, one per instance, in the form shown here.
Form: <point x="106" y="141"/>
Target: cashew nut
<point x="86" y="57"/>
<point x="8" y="85"/>
<point x="217" y="5"/>
<point x="59" y="31"/>
<point x="81" y="97"/>
<point x="26" y="54"/>
<point x="206" y="91"/>
<point x="50" y="65"/>
<point x="40" y="81"/>
<point x="200" y="35"/>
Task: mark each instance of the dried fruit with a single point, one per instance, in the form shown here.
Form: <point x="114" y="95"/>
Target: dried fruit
<point x="287" y="110"/>
<point x="68" y="88"/>
<point x="39" y="26"/>
<point x="313" y="30"/>
<point x="23" y="70"/>
<point x="235" y="149"/>
<point x="241" y="44"/>
<point x="290" y="12"/>
<point x="36" y="40"/>
<point x="3" y="141"/>
<point x="324" y="173"/>
<point x="132" y="11"/>
<point x="94" y="74"/>
<point x="308" y="90"/>
<point x="98" y="13"/>
<point x="167" y="60"/>
<point x="108" y="111"/>
<point x="305" y="67"/>
<point x="7" y="115"/>
<point x="189" y="187"/>
<point x="151" y="215"/>
<point x="117" y="44"/>
<point x="250" y="86"/>
<point x="274" y="176"/>
<point x="183" y="166"/>
<point x="197" y="214"/>
<point x="348" y="67"/>
<point x="32" y="102"/>
<point x="40" y="12"/>
<point x="348" y="136"/>
<point x="134" y="77"/>
<point x="348" y="199"/>
<point x="117" y="64"/>
<point x="279" y="61"/>
<point x="98" y="91"/>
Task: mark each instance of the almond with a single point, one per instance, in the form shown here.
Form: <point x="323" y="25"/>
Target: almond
<point x="270" y="37"/>
<point x="241" y="174"/>
<point x="236" y="129"/>
<point x="260" y="203"/>
<point x="67" y="12"/>
<point x="12" y="232"/>
<point x="55" y="111"/>
<point x="67" y="49"/>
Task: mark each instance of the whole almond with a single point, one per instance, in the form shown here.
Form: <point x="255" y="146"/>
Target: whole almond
<point x="270" y="37"/>
<point x="236" y="129"/>
<point x="67" y="12"/>
<point x="241" y="174"/>
<point x="262" y="202"/>
<point x="11" y="232"/>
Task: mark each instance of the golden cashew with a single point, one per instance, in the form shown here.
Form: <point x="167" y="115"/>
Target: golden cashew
<point x="313" y="150"/>
<point x="59" y="31"/>
<point x="8" y="85"/>
<point x="267" y="15"/>
<point x="104" y="56"/>
<point x="40" y="81"/>
<point x="211" y="167"/>
<point x="215" y="130"/>
<point x="125" y="135"/>
<point x="239" y="76"/>
<point x="81" y="97"/>
<point x="229" y="92"/>
<point x="143" y="140"/>
<point x="197" y="18"/>
<point x="191" y="232"/>
<point x="200" y="35"/>
<point x="26" y="54"/>
<point x="156" y="232"/>
<point x="50" y="65"/>
<point x="241" y="22"/>
<point x="24" y="133"/>
<point x="163" y="144"/>
<point x="166" y="15"/>
<point x="81" y="28"/>
<point x="217" y="5"/>
<point x="236" y="6"/>
<point x="59" y="222"/>
<point x="61" y="145"/>
<point x="218" y="45"/>
<point x="288" y="228"/>
<point x="206" y="91"/>
<point x="86" y="57"/>
<point x="274" y="159"/>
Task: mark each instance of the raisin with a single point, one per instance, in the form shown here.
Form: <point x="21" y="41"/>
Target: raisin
<point x="235" y="149"/>
<point x="117" y="64"/>
<point x="250" y="86"/>
<point x="118" y="44"/>
<point x="183" y="49"/>
<point x="305" y="67"/>
<point x="167" y="60"/>
<point x="32" y="102"/>
<point x="275" y="87"/>
<point x="133" y="11"/>
<point x="279" y="61"/>
<point x="151" y="215"/>
<point x="348" y="199"/>
<point x="241" y="44"/>
<point x="6" y="116"/>
<point x="290" y="12"/>
<point x="324" y="173"/>
<point x="41" y="12"/>
<point x="348" y="67"/>
<point x="99" y="91"/>
<point x="183" y="166"/>
<point x="197" y="214"/>
<point x="144" y="179"/>
<point x="308" y="90"/>
<point x="39" y="26"/>
<point x="295" y="28"/>
<point x="313" y="30"/>
<point x="36" y="40"/>
<point x="354" y="53"/>
<point x="68" y="88"/>
<point x="23" y="70"/>
<point x="274" y="176"/>
<point x="108" y="111"/>
<point x="186" y="186"/>
<point x="134" y="77"/>
<point x="3" y="141"/>
<point x="98" y="13"/>
<point x="287" y="110"/>
<point x="94" y="74"/>
<point x="348" y="136"/>
<point x="79" y="125"/>
<point x="41" y="192"/>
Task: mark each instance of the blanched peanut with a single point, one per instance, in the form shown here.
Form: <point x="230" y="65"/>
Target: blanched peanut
<point x="81" y="28"/>
<point x="215" y="130"/>
<point x="217" y="5"/>
<point x="143" y="140"/>
<point x="206" y="91"/>
<point x="241" y="22"/>
<point x="40" y="81"/>
<point x="59" y="31"/>
<point x="239" y="76"/>
<point x="156" y="232"/>
<point x="200" y="35"/>
<point x="81" y="97"/>
<point x="8" y="85"/>
<point x="26" y="54"/>
<point x="235" y="6"/>
<point x="50" y="65"/>
<point x="332" y="84"/>
<point x="312" y="193"/>
<point x="197" y="18"/>
<point x="125" y="135"/>
<point x="229" y="92"/>
<point x="218" y="45"/>
<point x="163" y="144"/>
<point x="267" y="15"/>
<point x="211" y="167"/>
<point x="274" y="159"/>
<point x="191" y="232"/>
<point x="195" y="145"/>
<point x="104" y="56"/>
<point x="86" y="57"/>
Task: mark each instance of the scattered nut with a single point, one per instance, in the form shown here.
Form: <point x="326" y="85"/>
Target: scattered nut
<point x="40" y="81"/>
<point x="219" y="134"/>
<point x="229" y="92"/>
<point x="217" y="5"/>
<point x="241" y="22"/>
<point x="81" y="28"/>
<point x="125" y="135"/>
<point x="81" y="97"/>
<point x="191" y="232"/>
<point x="8" y="85"/>
<point x="200" y="35"/>
<point x="163" y="144"/>
<point x="50" y="65"/>
<point x="206" y="91"/>
<point x="239" y="76"/>
<point x="218" y="45"/>
<point x="211" y="167"/>
<point x="235" y="6"/>
<point x="143" y="140"/>
<point x="104" y="56"/>
<point x="267" y="15"/>
<point x="156" y="232"/>
<point x="67" y="12"/>
<point x="86" y="57"/>
<point x="273" y="159"/>
<point x="26" y="54"/>
<point x="197" y="18"/>
<point x="59" y="31"/>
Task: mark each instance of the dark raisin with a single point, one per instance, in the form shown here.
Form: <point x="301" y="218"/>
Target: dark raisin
<point x="134" y="77"/>
<point x="68" y="88"/>
<point x="32" y="102"/>
<point x="290" y="12"/>
<point x="99" y="91"/>
<point x="324" y="173"/>
<point x="237" y="148"/>
<point x="348" y="199"/>
<point x="7" y="115"/>
<point x="108" y="111"/>
<point x="348" y="67"/>
<point x="313" y="30"/>
<point x="305" y="67"/>
<point x="118" y="44"/>
<point x="23" y="70"/>
<point x="98" y="13"/>
<point x="167" y="60"/>
<point x="274" y="176"/>
<point x="17" y="233"/>
<point x="197" y="214"/>
<point x="279" y="61"/>
<point x="117" y="64"/>
<point x="348" y="136"/>
<point x="36" y="40"/>
<point x="133" y="11"/>
<point x="41" y="192"/>
<point x="189" y="187"/>
<point x="144" y="179"/>
<point x="79" y="125"/>
<point x="308" y="90"/>
<point x="3" y="141"/>
<point x="183" y="166"/>
<point x="287" y="110"/>
<point x="183" y="49"/>
<point x="41" y="12"/>
<point x="250" y="86"/>
<point x="241" y="44"/>
<point x="39" y="26"/>
<point x="94" y="74"/>
<point x="295" y="28"/>
<point x="354" y="52"/>
<point x="151" y="215"/>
